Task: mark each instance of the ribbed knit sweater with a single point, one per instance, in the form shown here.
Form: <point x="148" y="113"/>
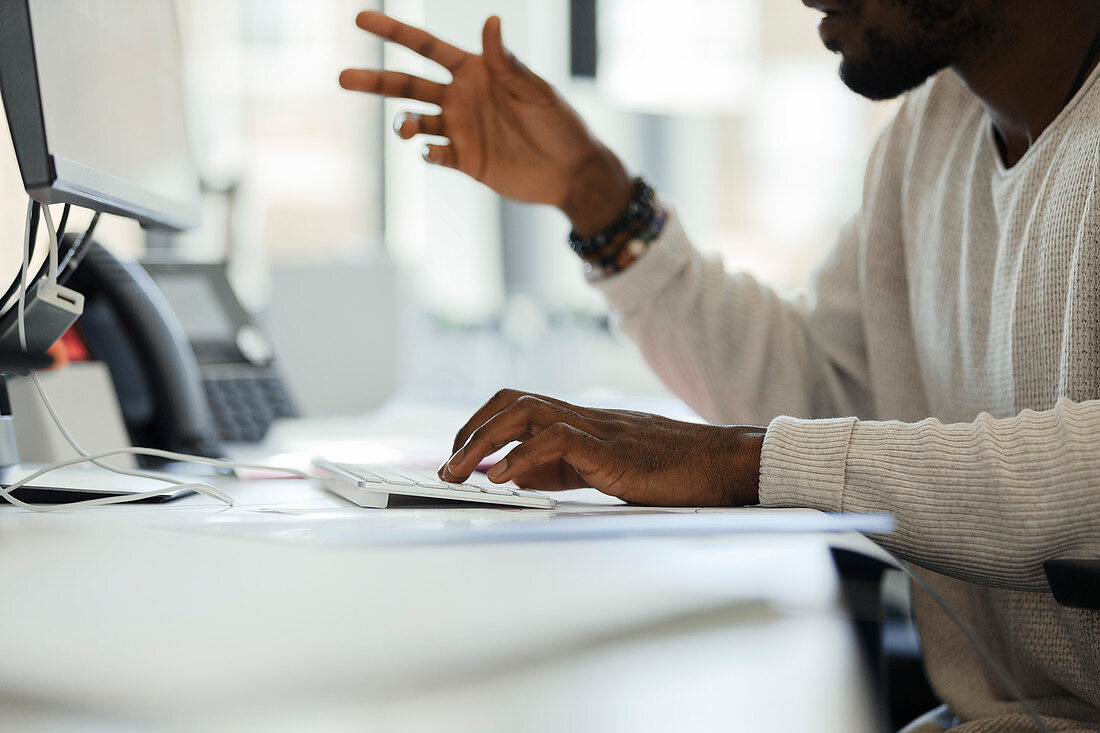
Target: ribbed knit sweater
<point x="943" y="366"/>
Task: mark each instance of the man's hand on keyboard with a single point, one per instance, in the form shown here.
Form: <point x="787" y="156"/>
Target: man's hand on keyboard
<point x="504" y="125"/>
<point x="640" y="458"/>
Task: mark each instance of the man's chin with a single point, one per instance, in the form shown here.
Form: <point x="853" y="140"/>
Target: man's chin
<point x="868" y="85"/>
<point x="881" y="67"/>
<point x="884" y="80"/>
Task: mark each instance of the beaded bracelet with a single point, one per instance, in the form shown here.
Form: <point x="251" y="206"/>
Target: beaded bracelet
<point x="624" y="242"/>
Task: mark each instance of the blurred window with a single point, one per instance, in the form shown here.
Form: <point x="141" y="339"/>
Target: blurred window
<point x="732" y="107"/>
<point x="751" y="132"/>
<point x="271" y="123"/>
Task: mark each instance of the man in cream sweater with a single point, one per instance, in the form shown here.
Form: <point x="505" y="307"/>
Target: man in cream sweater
<point x="943" y="365"/>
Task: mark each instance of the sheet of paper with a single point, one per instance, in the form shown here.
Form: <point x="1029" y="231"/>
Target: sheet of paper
<point x="573" y="522"/>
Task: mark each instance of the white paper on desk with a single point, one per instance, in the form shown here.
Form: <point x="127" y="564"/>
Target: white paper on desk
<point x="383" y="527"/>
<point x="605" y="527"/>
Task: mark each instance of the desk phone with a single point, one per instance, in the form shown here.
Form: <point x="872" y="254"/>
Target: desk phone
<point x="245" y="391"/>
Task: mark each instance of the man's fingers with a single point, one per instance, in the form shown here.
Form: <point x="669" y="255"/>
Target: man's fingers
<point x="443" y="155"/>
<point x="516" y="78"/>
<point x="526" y="416"/>
<point x="393" y="84"/>
<point x="552" y="476"/>
<point x="408" y="125"/>
<point x="496" y="403"/>
<point x="412" y="38"/>
<point x="492" y="46"/>
<point x="558" y="442"/>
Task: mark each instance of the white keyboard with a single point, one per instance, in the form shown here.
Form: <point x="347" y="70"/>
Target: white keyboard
<point x="379" y="487"/>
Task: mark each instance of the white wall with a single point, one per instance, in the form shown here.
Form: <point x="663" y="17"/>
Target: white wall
<point x="337" y="331"/>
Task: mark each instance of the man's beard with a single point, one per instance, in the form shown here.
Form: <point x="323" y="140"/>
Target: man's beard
<point x="891" y="65"/>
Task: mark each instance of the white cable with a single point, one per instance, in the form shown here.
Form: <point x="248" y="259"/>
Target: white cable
<point x="97" y="460"/>
<point x="94" y="461"/>
<point x="211" y="491"/>
<point x="202" y="488"/>
<point x="984" y="653"/>
<point x="54" y="245"/>
<point x="151" y="452"/>
<point x="52" y="237"/>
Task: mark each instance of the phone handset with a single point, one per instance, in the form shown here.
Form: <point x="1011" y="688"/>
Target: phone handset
<point x="128" y="324"/>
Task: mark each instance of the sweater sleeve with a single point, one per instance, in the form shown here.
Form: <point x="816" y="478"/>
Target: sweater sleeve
<point x="734" y="350"/>
<point x="986" y="502"/>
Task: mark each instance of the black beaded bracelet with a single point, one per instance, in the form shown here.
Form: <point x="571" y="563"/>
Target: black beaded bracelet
<point x="618" y="258"/>
<point x="639" y="215"/>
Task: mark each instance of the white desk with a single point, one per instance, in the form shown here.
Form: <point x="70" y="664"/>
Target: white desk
<point x="284" y="613"/>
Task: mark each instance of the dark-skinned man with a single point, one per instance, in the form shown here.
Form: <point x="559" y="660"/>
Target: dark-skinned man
<point x="943" y="365"/>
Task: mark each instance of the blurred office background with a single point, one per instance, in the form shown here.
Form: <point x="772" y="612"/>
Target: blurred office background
<point x="378" y="275"/>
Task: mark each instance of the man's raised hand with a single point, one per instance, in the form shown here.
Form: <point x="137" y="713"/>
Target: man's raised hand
<point x="640" y="458"/>
<point x="504" y="125"/>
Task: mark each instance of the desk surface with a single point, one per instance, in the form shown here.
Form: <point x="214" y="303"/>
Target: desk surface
<point x="286" y="613"/>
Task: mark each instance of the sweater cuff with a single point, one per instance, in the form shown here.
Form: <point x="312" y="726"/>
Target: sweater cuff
<point x="636" y="286"/>
<point x="803" y="463"/>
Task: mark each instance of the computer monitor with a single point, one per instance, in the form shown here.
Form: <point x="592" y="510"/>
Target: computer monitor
<point x="93" y="95"/>
<point x="92" y="90"/>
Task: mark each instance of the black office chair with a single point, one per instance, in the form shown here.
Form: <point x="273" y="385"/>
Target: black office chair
<point x="1075" y="583"/>
<point x="903" y="690"/>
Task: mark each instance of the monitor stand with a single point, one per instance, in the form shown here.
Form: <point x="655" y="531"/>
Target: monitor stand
<point x="69" y="484"/>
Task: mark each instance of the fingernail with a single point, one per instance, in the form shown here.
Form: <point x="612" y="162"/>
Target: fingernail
<point x="426" y="154"/>
<point x="455" y="459"/>
<point x="498" y="470"/>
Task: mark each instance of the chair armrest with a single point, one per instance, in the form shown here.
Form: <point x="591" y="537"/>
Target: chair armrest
<point x="1075" y="583"/>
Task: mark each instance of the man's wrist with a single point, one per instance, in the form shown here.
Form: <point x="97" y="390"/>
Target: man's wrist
<point x="625" y="241"/>
<point x="744" y="469"/>
<point x="601" y="191"/>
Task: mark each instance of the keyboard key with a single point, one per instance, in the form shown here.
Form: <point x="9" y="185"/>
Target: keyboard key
<point x="496" y="490"/>
<point x="433" y="484"/>
<point x="425" y="478"/>
<point x="392" y="477"/>
<point x="528" y="494"/>
<point x="415" y="476"/>
<point x="365" y="474"/>
<point x="467" y="488"/>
